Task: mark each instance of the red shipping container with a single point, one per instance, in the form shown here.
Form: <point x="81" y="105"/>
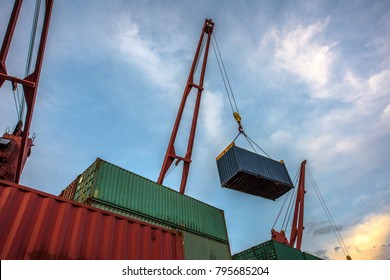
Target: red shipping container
<point x="37" y="225"/>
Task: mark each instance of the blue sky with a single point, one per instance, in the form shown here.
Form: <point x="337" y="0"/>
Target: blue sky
<point x="311" y="80"/>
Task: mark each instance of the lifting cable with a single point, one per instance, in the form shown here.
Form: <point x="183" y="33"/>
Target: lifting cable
<point x="225" y="78"/>
<point x="329" y="216"/>
<point x="20" y="100"/>
<point x="230" y="95"/>
<point x="291" y="205"/>
<point x="323" y="204"/>
<point x="289" y="208"/>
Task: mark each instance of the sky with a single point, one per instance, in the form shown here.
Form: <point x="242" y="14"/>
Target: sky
<point x="311" y="80"/>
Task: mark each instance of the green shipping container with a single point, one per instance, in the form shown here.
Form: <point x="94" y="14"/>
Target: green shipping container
<point x="122" y="189"/>
<point x="270" y="250"/>
<point x="196" y="247"/>
<point x="310" y="257"/>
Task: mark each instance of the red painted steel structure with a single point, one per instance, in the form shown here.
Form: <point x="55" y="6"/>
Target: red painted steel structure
<point x="171" y="156"/>
<point x="37" y="225"/>
<point x="297" y="223"/>
<point x="14" y="154"/>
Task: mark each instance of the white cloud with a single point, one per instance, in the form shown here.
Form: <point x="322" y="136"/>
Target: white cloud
<point x="300" y="52"/>
<point x="367" y="240"/>
<point x="281" y="137"/>
<point x="386" y="113"/>
<point x="144" y="54"/>
<point x="212" y="105"/>
<point x="380" y="83"/>
<point x="350" y="126"/>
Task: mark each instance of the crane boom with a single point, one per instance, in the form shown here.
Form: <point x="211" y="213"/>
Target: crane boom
<point x="297" y="223"/>
<point x="171" y="157"/>
<point x="16" y="147"/>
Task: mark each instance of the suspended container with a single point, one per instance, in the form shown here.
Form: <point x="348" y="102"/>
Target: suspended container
<point x="113" y="186"/>
<point x="273" y="250"/>
<point x="251" y="173"/>
<point x="41" y="226"/>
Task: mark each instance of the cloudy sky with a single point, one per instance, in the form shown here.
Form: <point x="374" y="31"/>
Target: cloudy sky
<point x="311" y="79"/>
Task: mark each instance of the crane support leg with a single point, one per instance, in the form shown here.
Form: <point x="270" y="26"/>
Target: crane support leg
<point x="30" y="86"/>
<point x="8" y="38"/>
<point x="297" y="224"/>
<point x="171" y="155"/>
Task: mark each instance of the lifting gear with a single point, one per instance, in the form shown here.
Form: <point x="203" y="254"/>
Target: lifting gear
<point x="231" y="98"/>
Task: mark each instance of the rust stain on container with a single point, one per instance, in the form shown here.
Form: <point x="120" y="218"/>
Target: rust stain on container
<point x="37" y="225"/>
<point x="70" y="191"/>
<point x="251" y="173"/>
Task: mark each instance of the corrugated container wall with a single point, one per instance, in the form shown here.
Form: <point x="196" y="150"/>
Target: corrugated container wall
<point x="118" y="187"/>
<point x="37" y="225"/>
<point x="106" y="186"/>
<point x="70" y="190"/>
<point x="271" y="250"/>
<point x="251" y="173"/>
<point x="311" y="257"/>
<point x="196" y="247"/>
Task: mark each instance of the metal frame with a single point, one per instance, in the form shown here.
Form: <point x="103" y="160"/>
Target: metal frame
<point x="297" y="223"/>
<point x="29" y="83"/>
<point x="171" y="155"/>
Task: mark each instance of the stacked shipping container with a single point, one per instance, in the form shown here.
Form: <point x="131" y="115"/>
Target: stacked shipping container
<point x="37" y="225"/>
<point x="106" y="186"/>
<point x="273" y="250"/>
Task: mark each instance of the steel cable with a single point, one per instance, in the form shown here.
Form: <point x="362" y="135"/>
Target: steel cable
<point x="29" y="55"/>
<point x="329" y="216"/>
<point x="230" y="94"/>
<point x="222" y="75"/>
<point x="288" y="210"/>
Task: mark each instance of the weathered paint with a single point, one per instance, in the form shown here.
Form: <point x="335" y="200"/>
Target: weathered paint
<point x="196" y="246"/>
<point x="70" y="190"/>
<point x="251" y="173"/>
<point x="37" y="225"/>
<point x="272" y="250"/>
<point x="123" y="189"/>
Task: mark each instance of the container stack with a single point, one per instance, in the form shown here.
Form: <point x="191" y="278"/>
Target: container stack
<point x="40" y="226"/>
<point x="273" y="250"/>
<point x="114" y="189"/>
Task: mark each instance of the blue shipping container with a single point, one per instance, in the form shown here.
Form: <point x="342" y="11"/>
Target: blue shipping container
<point x="251" y="173"/>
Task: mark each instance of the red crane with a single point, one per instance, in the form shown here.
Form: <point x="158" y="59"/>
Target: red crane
<point x="15" y="146"/>
<point x="297" y="224"/>
<point x="171" y="157"/>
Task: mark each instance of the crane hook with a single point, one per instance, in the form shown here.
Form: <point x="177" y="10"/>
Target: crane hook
<point x="237" y="116"/>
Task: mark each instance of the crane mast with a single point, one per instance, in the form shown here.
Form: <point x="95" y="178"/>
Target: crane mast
<point x="171" y="157"/>
<point x="15" y="147"/>
<point x="297" y="223"/>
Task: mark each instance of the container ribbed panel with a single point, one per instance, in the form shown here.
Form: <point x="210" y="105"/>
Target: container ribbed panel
<point x="196" y="246"/>
<point x="251" y="173"/>
<point x="37" y="225"/>
<point x="272" y="250"/>
<point x="116" y="186"/>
